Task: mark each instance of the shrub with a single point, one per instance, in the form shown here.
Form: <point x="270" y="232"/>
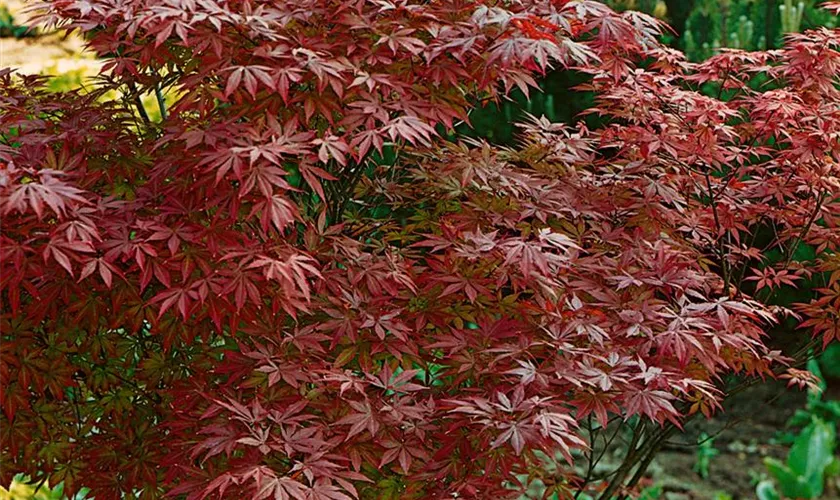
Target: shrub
<point x="292" y="287"/>
<point x="9" y="26"/>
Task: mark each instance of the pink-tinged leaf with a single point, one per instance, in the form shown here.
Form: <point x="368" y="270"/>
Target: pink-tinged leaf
<point x="512" y="434"/>
<point x="234" y="80"/>
<point x="277" y="211"/>
<point x="832" y="6"/>
<point x="178" y="297"/>
<point x="49" y="190"/>
<point x="332" y="147"/>
<point x="313" y="175"/>
<point x="411" y="129"/>
<point x="282" y="488"/>
<point x="62" y="259"/>
<point x="105" y="271"/>
<point x="653" y="404"/>
<point x="363" y="420"/>
<point x="219" y="485"/>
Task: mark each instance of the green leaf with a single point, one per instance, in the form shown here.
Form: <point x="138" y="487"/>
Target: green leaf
<point x="804" y="252"/>
<point x="57" y="493"/>
<point x="830" y="360"/>
<point x="389" y="489"/>
<point x="815" y="395"/>
<point x="833" y="468"/>
<point x="791" y="484"/>
<point x="766" y="491"/>
<point x="813" y="450"/>
<point x="651" y="493"/>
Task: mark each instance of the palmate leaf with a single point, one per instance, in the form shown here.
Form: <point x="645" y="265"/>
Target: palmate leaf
<point x="251" y="315"/>
<point x="48" y="191"/>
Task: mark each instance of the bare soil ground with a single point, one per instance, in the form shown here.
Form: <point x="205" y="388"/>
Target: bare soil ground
<point x="744" y="434"/>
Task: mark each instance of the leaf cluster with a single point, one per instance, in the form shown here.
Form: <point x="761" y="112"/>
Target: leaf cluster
<point x="246" y="299"/>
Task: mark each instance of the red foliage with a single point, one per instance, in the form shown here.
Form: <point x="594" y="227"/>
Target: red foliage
<point x="239" y="301"/>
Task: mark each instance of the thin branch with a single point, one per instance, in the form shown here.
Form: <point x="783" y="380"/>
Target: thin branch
<point x="721" y="253"/>
<point x="591" y="458"/>
<point x="160" y="101"/>
<point x="627" y="464"/>
<point x="343" y="188"/>
<point x="743" y="270"/>
<point x="730" y="424"/>
<point x="138" y="103"/>
<point x="805" y="229"/>
<point x="651" y="446"/>
<point x="40" y="485"/>
<point x="651" y="451"/>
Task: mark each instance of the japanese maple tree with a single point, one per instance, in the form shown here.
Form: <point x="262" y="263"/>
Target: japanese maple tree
<point x="292" y="285"/>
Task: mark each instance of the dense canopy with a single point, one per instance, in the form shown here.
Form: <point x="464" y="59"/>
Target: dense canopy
<point x="298" y="285"/>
